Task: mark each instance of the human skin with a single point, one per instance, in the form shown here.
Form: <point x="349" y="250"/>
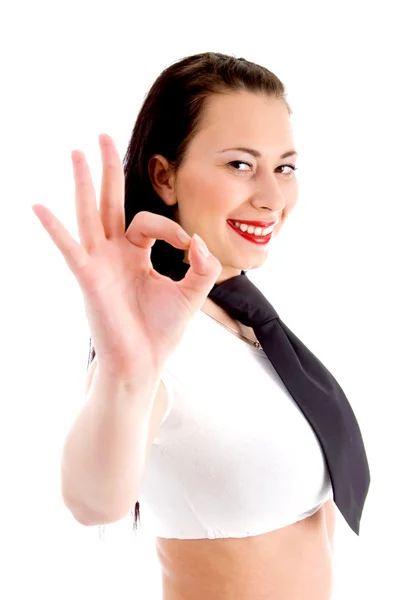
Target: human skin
<point x="294" y="561"/>
<point x="206" y="190"/>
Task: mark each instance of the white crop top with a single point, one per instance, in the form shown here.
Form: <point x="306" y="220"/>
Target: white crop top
<point x="234" y="455"/>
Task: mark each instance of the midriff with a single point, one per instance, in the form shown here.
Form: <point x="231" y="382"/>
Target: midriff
<point x="292" y="563"/>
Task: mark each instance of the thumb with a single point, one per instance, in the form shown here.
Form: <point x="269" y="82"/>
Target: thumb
<point x="202" y="274"/>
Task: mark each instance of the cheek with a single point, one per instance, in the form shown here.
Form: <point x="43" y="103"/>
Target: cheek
<point x="288" y="208"/>
<point x="201" y="192"/>
<point x="290" y="203"/>
<point x="221" y="193"/>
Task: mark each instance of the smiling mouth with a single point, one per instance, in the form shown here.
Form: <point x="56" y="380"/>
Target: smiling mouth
<point x="257" y="230"/>
<point x="252" y="237"/>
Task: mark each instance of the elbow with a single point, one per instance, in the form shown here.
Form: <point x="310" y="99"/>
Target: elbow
<point x="89" y="518"/>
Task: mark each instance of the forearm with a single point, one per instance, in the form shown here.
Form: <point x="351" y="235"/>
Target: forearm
<point x="104" y="452"/>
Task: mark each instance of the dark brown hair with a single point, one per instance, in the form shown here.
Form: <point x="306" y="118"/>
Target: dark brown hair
<point x="168" y="120"/>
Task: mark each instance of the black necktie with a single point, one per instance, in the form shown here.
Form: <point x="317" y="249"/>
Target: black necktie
<point x="311" y="385"/>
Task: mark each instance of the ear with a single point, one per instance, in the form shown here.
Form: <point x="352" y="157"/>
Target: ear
<point x="162" y="178"/>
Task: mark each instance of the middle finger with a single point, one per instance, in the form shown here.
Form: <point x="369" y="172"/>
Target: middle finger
<point x="89" y="225"/>
<point x="112" y="189"/>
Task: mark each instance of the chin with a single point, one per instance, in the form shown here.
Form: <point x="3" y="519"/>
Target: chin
<point x="259" y="263"/>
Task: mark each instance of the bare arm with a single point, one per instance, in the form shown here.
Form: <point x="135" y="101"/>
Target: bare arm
<point x="105" y="451"/>
<point x="136" y="318"/>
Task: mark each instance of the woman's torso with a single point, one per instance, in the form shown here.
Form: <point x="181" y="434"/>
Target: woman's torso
<point x="291" y="563"/>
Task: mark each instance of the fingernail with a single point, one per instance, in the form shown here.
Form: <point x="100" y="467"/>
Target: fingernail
<point x="201" y="245"/>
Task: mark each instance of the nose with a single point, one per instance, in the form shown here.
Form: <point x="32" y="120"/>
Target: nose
<point x="269" y="198"/>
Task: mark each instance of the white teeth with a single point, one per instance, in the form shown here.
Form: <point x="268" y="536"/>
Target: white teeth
<point x="252" y="229"/>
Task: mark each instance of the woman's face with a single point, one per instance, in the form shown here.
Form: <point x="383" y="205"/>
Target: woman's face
<point x="216" y="184"/>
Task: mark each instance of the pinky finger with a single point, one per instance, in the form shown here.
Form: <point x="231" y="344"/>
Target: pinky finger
<point x="74" y="254"/>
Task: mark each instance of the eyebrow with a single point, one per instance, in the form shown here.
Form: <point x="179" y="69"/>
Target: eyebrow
<point x="257" y="154"/>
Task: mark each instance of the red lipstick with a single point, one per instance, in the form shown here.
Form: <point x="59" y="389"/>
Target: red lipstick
<point x="255" y="239"/>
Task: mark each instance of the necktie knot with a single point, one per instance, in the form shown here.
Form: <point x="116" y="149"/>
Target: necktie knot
<point x="243" y="301"/>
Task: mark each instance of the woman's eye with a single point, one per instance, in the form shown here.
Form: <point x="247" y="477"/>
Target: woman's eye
<point x="241" y="162"/>
<point x="291" y="167"/>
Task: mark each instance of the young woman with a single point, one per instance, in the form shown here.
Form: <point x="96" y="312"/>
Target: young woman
<point x="240" y="494"/>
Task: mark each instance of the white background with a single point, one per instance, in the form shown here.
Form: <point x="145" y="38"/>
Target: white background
<point x="72" y="70"/>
